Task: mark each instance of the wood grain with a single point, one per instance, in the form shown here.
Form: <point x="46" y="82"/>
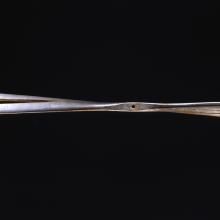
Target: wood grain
<point x="17" y="104"/>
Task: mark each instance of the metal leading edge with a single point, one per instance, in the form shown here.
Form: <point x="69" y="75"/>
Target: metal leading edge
<point x="18" y="104"/>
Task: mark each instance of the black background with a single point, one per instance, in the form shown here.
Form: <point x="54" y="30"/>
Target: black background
<point x="157" y="165"/>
